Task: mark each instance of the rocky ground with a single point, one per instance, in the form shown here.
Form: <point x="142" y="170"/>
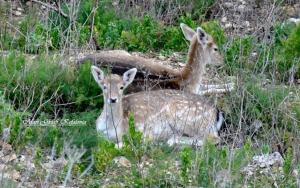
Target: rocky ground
<point x="22" y="170"/>
<point x="253" y="17"/>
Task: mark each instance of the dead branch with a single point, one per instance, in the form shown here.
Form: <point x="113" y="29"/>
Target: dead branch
<point x="56" y="9"/>
<point x="119" y="61"/>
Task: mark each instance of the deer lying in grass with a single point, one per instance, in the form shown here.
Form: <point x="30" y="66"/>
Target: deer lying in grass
<point x="153" y="75"/>
<point x="171" y="115"/>
<point x="202" y="51"/>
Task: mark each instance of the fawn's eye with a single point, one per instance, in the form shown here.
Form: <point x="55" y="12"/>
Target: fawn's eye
<point x="122" y="87"/>
<point x="104" y="87"/>
<point x="215" y="49"/>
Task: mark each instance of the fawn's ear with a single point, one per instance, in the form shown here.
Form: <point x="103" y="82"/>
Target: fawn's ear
<point x="128" y="76"/>
<point x="202" y="36"/>
<point x="98" y="74"/>
<point x="187" y="32"/>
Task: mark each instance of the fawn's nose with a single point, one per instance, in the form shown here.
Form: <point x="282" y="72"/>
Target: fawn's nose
<point x="113" y="100"/>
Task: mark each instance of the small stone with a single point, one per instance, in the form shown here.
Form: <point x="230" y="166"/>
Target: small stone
<point x="20" y="9"/>
<point x="8" y="158"/>
<point x="122" y="161"/>
<point x="161" y="57"/>
<point x="224" y="19"/>
<point x="28" y="3"/>
<point x="5" y="134"/>
<point x="228" y="25"/>
<point x="115" y="3"/>
<point x="21" y="158"/>
<point x="5" y="148"/>
<point x="223" y="178"/>
<point x="241" y="8"/>
<point x="228" y="4"/>
<point x="257" y="124"/>
<point x="290" y="11"/>
<point x="247" y="23"/>
<point x="181" y="64"/>
<point x="295" y="173"/>
<point x="17" y="13"/>
<point x="55" y="165"/>
<point x="5" y="172"/>
<point x="254" y="54"/>
<point x="294" y="20"/>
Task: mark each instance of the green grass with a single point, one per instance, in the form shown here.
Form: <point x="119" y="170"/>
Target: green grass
<point x="43" y="88"/>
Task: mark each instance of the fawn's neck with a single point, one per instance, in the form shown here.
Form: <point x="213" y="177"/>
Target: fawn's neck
<point x="195" y="67"/>
<point x="111" y="121"/>
<point x="113" y="113"/>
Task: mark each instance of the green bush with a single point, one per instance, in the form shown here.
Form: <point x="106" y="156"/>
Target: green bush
<point x="111" y="30"/>
<point x="216" y="31"/>
<point x="9" y="118"/>
<point x="133" y="146"/>
<point x="291" y="54"/>
<point x="237" y="55"/>
<point x="144" y="35"/>
<point x="186" y="163"/>
<point x="287" y="167"/>
<point x="104" y="154"/>
<point x="45" y="83"/>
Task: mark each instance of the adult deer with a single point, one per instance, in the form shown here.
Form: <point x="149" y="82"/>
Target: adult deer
<point x="171" y="115"/>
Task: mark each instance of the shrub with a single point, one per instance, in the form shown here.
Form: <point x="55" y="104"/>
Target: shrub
<point x="46" y="83"/>
<point x="216" y="31"/>
<point x="186" y="163"/>
<point x="133" y="146"/>
<point x="287" y="167"/>
<point x="104" y="154"/>
<point x="290" y="54"/>
<point x="9" y="118"/>
<point x="237" y="54"/>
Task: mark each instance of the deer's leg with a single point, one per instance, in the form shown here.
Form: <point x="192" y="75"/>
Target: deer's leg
<point x="193" y="141"/>
<point x="219" y="88"/>
<point x="119" y="145"/>
<point x="184" y="140"/>
<point x="227" y="86"/>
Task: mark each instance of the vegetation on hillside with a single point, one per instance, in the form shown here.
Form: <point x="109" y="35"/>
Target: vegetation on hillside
<point x="262" y="114"/>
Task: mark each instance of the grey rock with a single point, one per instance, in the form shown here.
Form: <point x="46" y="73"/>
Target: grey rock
<point x="122" y="161"/>
<point x="268" y="164"/>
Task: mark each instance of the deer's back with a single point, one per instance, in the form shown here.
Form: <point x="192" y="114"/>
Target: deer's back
<point x="171" y="110"/>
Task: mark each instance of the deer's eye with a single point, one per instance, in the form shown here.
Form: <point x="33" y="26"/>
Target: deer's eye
<point x="215" y="49"/>
<point x="122" y="87"/>
<point x="104" y="87"/>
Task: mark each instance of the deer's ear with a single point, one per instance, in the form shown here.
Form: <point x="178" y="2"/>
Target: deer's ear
<point x="98" y="74"/>
<point x="202" y="36"/>
<point x="128" y="76"/>
<point x="187" y="32"/>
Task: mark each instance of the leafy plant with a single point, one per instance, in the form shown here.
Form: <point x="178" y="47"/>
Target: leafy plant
<point x="186" y="163"/>
<point x="104" y="154"/>
<point x="48" y="83"/>
<point x="287" y="167"/>
<point x="132" y="141"/>
<point x="216" y="31"/>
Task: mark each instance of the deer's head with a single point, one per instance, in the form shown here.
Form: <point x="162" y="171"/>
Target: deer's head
<point x="205" y="44"/>
<point x="113" y="85"/>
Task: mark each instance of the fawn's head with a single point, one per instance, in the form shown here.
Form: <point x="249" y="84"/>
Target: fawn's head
<point x="113" y="85"/>
<point x="205" y="43"/>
